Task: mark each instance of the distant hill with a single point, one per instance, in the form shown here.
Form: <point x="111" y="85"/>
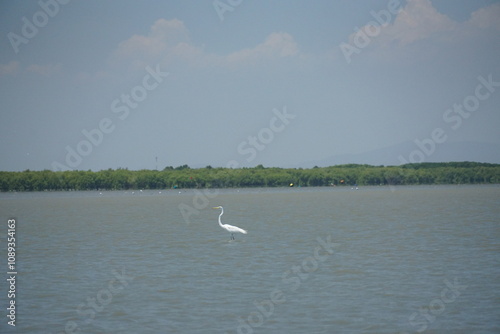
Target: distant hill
<point x="389" y="156"/>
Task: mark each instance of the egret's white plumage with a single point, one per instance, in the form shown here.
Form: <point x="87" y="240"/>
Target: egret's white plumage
<point x="230" y="228"/>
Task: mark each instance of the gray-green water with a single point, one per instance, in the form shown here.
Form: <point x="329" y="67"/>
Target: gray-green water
<point x="315" y="260"/>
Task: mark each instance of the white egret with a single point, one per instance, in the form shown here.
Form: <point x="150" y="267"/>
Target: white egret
<point x="230" y="228"/>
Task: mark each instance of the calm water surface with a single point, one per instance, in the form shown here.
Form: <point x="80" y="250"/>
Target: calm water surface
<point x="315" y="260"/>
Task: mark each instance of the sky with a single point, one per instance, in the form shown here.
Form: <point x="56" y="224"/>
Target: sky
<point x="92" y="85"/>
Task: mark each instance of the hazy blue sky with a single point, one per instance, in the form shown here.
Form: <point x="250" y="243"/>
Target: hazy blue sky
<point x="108" y="84"/>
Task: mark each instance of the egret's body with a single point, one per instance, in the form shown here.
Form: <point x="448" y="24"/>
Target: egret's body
<point x="230" y="228"/>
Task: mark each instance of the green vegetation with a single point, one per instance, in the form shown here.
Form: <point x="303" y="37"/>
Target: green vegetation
<point x="211" y="177"/>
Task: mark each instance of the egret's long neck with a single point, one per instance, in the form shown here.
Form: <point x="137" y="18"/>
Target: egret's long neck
<point x="221" y="213"/>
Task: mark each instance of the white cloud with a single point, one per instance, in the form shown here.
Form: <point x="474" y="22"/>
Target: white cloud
<point x="10" y="68"/>
<point x="277" y="45"/>
<point x="168" y="41"/>
<point x="488" y="17"/>
<point x="418" y="20"/>
<point x="419" y="31"/>
<point x="14" y="67"/>
<point x="45" y="70"/>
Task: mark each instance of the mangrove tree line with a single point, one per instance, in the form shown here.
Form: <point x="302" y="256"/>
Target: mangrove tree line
<point x="209" y="177"/>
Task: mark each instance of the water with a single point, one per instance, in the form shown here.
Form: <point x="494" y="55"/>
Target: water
<point x="315" y="260"/>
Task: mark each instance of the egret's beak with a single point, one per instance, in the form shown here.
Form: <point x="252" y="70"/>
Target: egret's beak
<point x="216" y="207"/>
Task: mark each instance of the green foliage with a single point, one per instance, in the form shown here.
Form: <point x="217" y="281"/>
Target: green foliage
<point x="259" y="176"/>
